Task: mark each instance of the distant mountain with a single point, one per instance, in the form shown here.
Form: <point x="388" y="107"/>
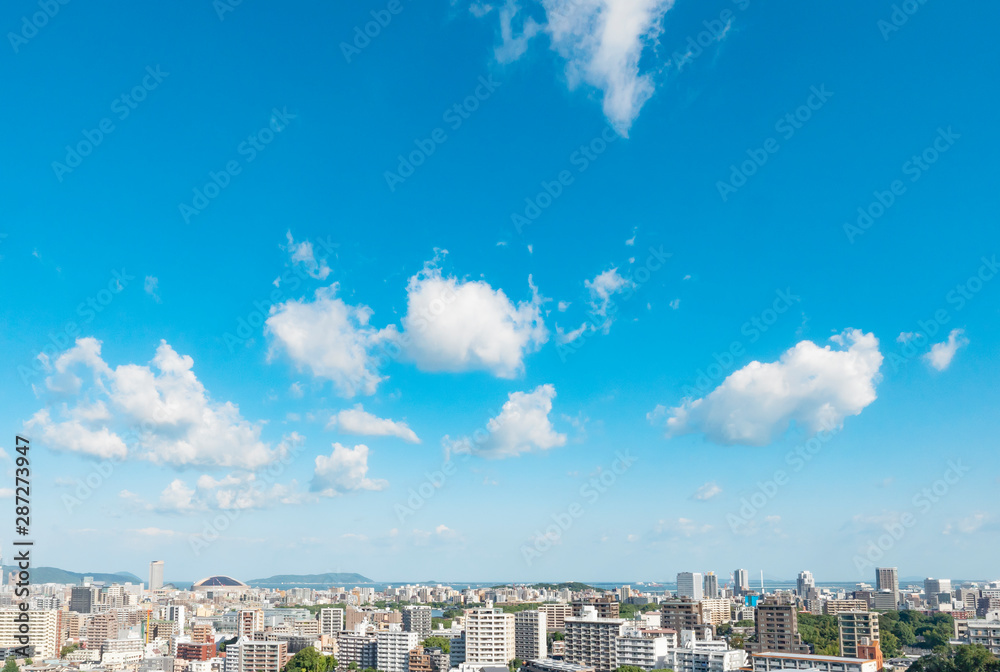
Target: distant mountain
<point x="292" y="580"/>
<point x="56" y="575"/>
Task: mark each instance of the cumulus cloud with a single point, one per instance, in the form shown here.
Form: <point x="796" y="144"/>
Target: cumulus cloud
<point x="360" y="422"/>
<point x="342" y="471"/>
<point x="814" y="387"/>
<point x="331" y="338"/>
<point x="941" y="354"/>
<point x="601" y="42"/>
<point x="522" y="426"/>
<point x="303" y="253"/>
<point x="453" y="325"/>
<point x="160" y="412"/>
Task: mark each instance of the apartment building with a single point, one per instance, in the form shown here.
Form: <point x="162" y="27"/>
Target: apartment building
<point x="428" y="660"/>
<point x="986" y="633"/>
<point x="254" y="655"/>
<point x="778" y="628"/>
<point x="45" y="630"/>
<point x="489" y="637"/>
<point x="356" y="647"/>
<point x="644" y="648"/>
<point x="552" y="665"/>
<point x="590" y="640"/>
<point x="716" y="611"/>
<point x="684" y="614"/>
<point x="530" y="630"/>
<point x="856" y="627"/>
<point x="249" y="621"/>
<point x="392" y="649"/>
<point x="771" y="662"/>
<point x="194" y="651"/>
<point x="703" y="655"/>
<point x="555" y="615"/>
<point x="331" y="620"/>
<point x="202" y="633"/>
<point x="417" y="619"/>
<point x="834" y="607"/>
<point x="607" y="607"/>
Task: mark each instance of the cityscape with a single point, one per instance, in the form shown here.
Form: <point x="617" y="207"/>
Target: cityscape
<point x="707" y="623"/>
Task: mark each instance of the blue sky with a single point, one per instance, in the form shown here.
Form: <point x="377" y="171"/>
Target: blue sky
<point x="267" y="371"/>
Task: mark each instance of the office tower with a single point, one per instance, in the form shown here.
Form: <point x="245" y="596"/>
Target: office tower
<point x="936" y="589"/>
<point x="331" y="620"/>
<point x="778" y="628"/>
<point x="529" y="635"/>
<point x="710" y="585"/>
<point x="590" y="640"/>
<point x="489" y="637"/>
<point x="887" y="578"/>
<point x="156" y="575"/>
<point x="804" y="583"/>
<point x="392" y="649"/>
<point x="82" y="599"/>
<point x="689" y="584"/>
<point x="417" y="619"/>
<point x="741" y="582"/>
<point x="856" y="628"/>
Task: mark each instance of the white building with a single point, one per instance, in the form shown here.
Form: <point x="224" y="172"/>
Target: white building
<point x="331" y="620"/>
<point x="647" y="649"/>
<point x="766" y="662"/>
<point x="689" y="584"/>
<point x="489" y="637"/>
<point x="392" y="649"/>
<point x="704" y="655"/>
<point x="46" y="635"/>
<point x="986" y="633"/>
<point x="529" y="635"/>
<point x="590" y="640"/>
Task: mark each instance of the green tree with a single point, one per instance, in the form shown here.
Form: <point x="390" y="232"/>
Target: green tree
<point x="10" y="666"/>
<point x="437" y="642"/>
<point x="516" y="664"/>
<point x="310" y="660"/>
<point x="68" y="649"/>
<point x="889" y="644"/>
<point x="629" y="668"/>
<point x="745" y="623"/>
<point x="822" y="632"/>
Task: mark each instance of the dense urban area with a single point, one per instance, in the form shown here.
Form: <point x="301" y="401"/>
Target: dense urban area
<point x="221" y="624"/>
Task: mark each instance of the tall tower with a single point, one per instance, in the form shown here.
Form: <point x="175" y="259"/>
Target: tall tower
<point x="741" y="581"/>
<point x="887" y="579"/>
<point x="804" y="583"/>
<point x="156" y="575"/>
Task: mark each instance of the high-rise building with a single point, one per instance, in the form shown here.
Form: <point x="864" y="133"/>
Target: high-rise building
<point x="156" y="575"/>
<point x="356" y="647"/>
<point x="45" y="632"/>
<point x="887" y="579"/>
<point x="857" y="628"/>
<point x="607" y="607"/>
<point x="331" y="620"/>
<point x="778" y="628"/>
<point x="254" y="655"/>
<point x="804" y="583"/>
<point x="644" y="648"/>
<point x="689" y="584"/>
<point x="82" y="599"/>
<point x="555" y="615"/>
<point x="489" y="637"/>
<point x="741" y="582"/>
<point x="937" y="590"/>
<point x="712" y="655"/>
<point x="417" y="619"/>
<point x="590" y="640"/>
<point x="248" y="622"/>
<point x="710" y="585"/>
<point x="530" y="635"/>
<point x="392" y="649"/>
<point x="684" y="614"/>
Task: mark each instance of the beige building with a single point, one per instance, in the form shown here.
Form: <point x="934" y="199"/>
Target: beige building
<point x="856" y="627"/>
<point x="489" y="637"/>
<point x="555" y="615"/>
<point x="44" y="630"/>
<point x="834" y="607"/>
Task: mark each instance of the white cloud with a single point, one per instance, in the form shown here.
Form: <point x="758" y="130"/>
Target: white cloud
<point x="151" y="285"/>
<point x="172" y="418"/>
<point x="451" y="325"/>
<point x="570" y="336"/>
<point x="601" y="41"/>
<point x="522" y="426"/>
<point x="360" y="422"/>
<point x="344" y="470"/>
<point x="440" y="534"/>
<point x="941" y="354"/>
<point x="814" y="387"/>
<point x="604" y="286"/>
<point x="708" y="491"/>
<point x="675" y="304"/>
<point x="295" y="389"/>
<point x="302" y="253"/>
<point x="331" y="338"/>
